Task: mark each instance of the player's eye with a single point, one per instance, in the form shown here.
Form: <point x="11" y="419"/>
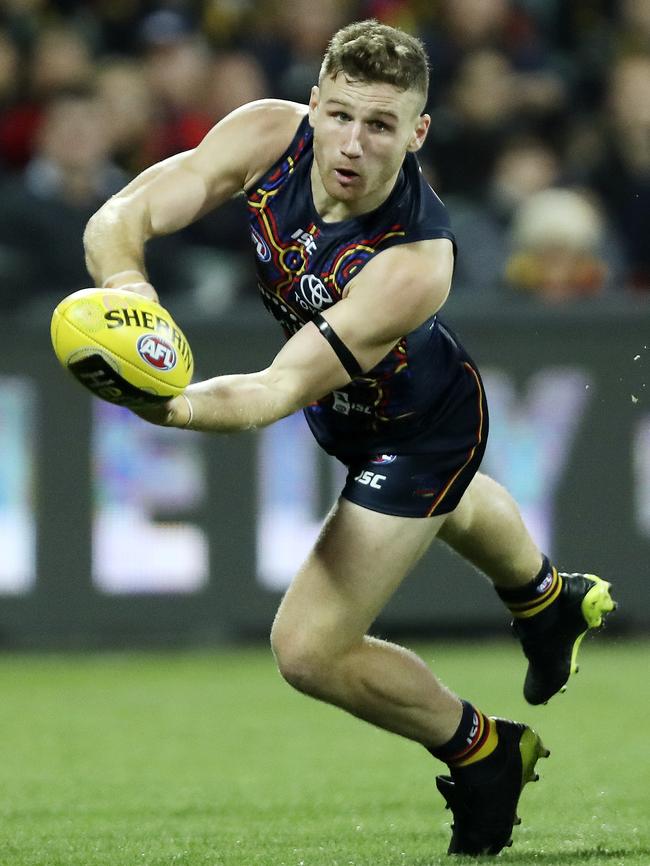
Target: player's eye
<point x="342" y="115"/>
<point x="380" y="126"/>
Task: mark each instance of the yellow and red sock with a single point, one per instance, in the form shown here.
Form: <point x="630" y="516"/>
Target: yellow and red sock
<point x="475" y="738"/>
<point x="534" y="597"/>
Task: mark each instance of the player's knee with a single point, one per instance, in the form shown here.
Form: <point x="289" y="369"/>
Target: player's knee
<point x="301" y="661"/>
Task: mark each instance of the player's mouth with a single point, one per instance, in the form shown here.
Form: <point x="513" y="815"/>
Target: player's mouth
<point x="345" y="176"/>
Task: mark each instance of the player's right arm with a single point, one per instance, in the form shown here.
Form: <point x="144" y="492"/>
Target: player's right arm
<point x="172" y="194"/>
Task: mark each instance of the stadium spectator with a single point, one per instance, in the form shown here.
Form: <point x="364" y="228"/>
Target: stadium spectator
<point x="8" y="69"/>
<point x="412" y="17"/>
<point x="114" y="26"/>
<point x="220" y="241"/>
<point x="60" y="60"/>
<point x="559" y="247"/>
<point x="292" y="60"/>
<point x="129" y="110"/>
<point x="465" y="26"/>
<point x="503" y="71"/>
<point x="525" y="166"/>
<point x="236" y="77"/>
<point x="226" y="25"/>
<point x="9" y="84"/>
<point x="46" y="206"/>
<point x="622" y="174"/>
<point x="469" y="131"/>
<point x="634" y="35"/>
<point x="23" y="19"/>
<point x="177" y="63"/>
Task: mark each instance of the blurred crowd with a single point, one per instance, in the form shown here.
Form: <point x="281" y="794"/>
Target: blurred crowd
<point x="539" y="143"/>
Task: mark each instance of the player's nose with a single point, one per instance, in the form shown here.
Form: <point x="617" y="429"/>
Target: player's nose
<point x="351" y="145"/>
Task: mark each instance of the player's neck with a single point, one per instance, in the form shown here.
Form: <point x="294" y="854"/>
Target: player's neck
<point x="332" y="210"/>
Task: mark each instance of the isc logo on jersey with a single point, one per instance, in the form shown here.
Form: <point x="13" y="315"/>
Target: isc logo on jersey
<point x="157" y="352"/>
<point x="306" y="239"/>
<point x="371" y="479"/>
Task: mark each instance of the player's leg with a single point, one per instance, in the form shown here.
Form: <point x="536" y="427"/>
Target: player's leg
<point x="319" y="634"/>
<point x="320" y="642"/>
<point x="486" y="528"/>
<point x="552" y="611"/>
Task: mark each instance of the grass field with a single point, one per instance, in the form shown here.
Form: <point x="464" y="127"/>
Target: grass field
<point x="208" y="758"/>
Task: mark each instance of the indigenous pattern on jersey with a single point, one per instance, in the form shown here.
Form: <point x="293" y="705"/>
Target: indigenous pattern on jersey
<point x="304" y="265"/>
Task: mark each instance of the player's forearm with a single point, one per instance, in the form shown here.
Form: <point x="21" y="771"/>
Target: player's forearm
<point x="114" y="242"/>
<point x="232" y="403"/>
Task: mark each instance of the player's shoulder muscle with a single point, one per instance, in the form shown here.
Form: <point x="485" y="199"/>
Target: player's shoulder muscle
<point x="396" y="292"/>
<point x="249" y="140"/>
<point x="413" y="276"/>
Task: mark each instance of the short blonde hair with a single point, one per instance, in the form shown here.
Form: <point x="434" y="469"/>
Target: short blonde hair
<point x="372" y="52"/>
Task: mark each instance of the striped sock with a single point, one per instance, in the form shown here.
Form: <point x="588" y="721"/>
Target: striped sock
<point x="533" y="597"/>
<point x="476" y="737"/>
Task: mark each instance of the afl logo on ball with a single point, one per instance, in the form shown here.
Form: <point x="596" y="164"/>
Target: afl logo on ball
<point x="157" y="352"/>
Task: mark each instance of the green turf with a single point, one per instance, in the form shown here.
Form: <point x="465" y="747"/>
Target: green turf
<point x="188" y="759"/>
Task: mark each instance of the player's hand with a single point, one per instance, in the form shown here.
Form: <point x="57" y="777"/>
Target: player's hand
<point x="145" y="289"/>
<point x="173" y="413"/>
<point x="132" y="281"/>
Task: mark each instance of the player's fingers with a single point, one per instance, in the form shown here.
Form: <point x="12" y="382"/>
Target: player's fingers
<point x="160" y="414"/>
<point x="145" y="289"/>
<point x="174" y="413"/>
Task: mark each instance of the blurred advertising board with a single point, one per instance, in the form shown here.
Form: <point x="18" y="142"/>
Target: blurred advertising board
<point x="115" y="532"/>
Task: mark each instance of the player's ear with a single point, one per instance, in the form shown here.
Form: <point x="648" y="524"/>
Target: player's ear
<point x="419" y="133"/>
<point x="313" y="103"/>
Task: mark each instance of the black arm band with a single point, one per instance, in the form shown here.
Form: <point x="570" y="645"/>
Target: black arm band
<point x="344" y="355"/>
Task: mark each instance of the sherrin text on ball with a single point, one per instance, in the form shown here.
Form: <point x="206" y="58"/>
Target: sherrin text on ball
<point x="122" y="346"/>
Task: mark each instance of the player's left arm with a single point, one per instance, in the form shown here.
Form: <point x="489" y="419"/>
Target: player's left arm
<point x="396" y="291"/>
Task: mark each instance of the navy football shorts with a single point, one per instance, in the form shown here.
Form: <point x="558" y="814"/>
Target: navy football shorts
<point x="429" y="482"/>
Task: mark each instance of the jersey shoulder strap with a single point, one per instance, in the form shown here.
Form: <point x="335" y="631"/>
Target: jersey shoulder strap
<point x="285" y="165"/>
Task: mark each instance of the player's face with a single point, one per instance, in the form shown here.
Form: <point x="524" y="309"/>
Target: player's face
<point x="361" y="135"/>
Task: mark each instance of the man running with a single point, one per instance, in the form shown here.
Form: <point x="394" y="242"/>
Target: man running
<point x="355" y="257"/>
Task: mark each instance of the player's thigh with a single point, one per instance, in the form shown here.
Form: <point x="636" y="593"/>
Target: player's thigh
<point x="358" y="561"/>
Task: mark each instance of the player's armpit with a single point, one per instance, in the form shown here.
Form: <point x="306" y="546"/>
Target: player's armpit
<point x="395" y="293"/>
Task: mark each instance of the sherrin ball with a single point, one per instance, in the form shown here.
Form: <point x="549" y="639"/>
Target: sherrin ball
<point x="122" y="346"/>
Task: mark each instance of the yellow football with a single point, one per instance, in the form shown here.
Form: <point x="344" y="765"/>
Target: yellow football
<point x="121" y="346"/>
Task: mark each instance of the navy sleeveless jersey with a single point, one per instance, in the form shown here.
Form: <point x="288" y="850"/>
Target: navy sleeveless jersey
<point x="303" y="265"/>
